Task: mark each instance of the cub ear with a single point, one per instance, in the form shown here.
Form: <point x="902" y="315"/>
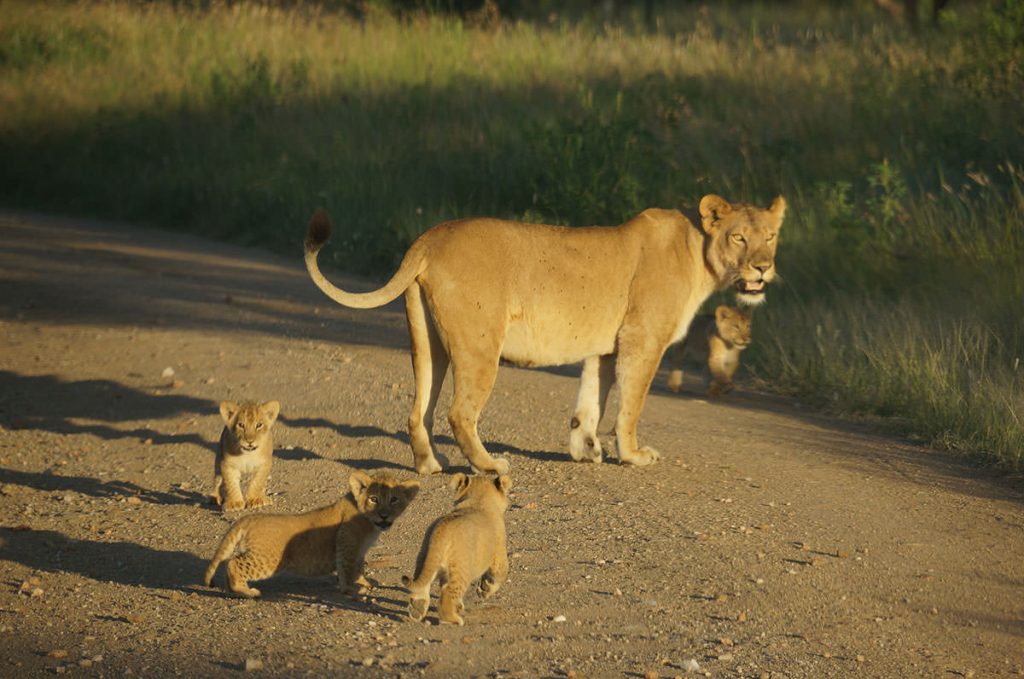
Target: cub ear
<point x="459" y="483"/>
<point x="778" y="208"/>
<point x="228" y="410"/>
<point x="410" y="488"/>
<point x="271" y="409"/>
<point x="712" y="209"/>
<point x="358" y="482"/>
<point x="503" y="484"/>
<point x="722" y="313"/>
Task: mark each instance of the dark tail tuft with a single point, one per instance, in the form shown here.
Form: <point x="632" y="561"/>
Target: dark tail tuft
<point x="318" y="231"/>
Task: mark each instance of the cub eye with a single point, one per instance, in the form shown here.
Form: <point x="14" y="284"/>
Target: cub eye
<point x="394" y="500"/>
<point x="373" y="500"/>
<point x="259" y="425"/>
<point x="737" y="238"/>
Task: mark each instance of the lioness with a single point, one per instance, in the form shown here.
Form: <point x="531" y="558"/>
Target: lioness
<point x="535" y="295"/>
<point x="331" y="539"/>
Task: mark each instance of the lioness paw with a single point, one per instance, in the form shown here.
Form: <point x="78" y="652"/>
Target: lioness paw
<point x="501" y="466"/>
<point x="584" y="447"/>
<point x="642" y="457"/>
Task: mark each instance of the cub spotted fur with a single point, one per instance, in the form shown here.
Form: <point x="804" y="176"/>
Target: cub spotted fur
<point x="463" y="546"/>
<point x="718" y="340"/>
<point x="246" y="447"/>
<point x="478" y="290"/>
<point x="330" y="539"/>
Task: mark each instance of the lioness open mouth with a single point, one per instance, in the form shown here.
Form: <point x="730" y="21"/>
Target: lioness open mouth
<point x="750" y="287"/>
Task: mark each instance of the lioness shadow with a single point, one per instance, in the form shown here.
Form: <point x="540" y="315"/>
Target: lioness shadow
<point x="126" y="563"/>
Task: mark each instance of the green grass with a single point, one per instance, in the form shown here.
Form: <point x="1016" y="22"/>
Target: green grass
<point x="901" y="253"/>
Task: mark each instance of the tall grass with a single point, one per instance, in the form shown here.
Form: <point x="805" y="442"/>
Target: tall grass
<point x="901" y="255"/>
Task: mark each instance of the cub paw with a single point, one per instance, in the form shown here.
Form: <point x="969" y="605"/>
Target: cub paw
<point x="232" y="505"/>
<point x="249" y="593"/>
<point x="675" y="381"/>
<point x="418" y="609"/>
<point x="213" y="500"/>
<point x="486" y="587"/>
<point x="453" y="619"/>
<point x="262" y="501"/>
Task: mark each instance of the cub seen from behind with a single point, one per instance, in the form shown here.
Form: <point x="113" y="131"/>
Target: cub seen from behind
<point x="464" y="546"/>
<point x="326" y="540"/>
<point x="718" y="340"/>
<point x="246" y="447"/>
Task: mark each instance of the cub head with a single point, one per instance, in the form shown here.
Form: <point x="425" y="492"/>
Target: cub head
<point x="733" y="325"/>
<point x="740" y="244"/>
<point x="249" y="423"/>
<point x="381" y="498"/>
<point x="482" y="489"/>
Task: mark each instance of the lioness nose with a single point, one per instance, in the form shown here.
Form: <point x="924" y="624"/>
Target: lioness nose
<point x="763" y="266"/>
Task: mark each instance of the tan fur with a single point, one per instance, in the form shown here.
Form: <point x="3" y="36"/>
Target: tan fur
<point x="246" y="447"/>
<point x="464" y="546"/>
<point x="320" y="542"/>
<point x="718" y="341"/>
<point x="477" y="290"/>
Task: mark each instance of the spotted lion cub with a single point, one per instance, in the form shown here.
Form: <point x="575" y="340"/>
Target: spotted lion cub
<point x="326" y="540"/>
<point x="246" y="446"/>
<point x="719" y="339"/>
<point x="465" y="545"/>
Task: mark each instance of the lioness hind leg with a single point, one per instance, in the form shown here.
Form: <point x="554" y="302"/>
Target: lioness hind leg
<point x="595" y="383"/>
<point x="429" y="365"/>
<point x="474" y="370"/>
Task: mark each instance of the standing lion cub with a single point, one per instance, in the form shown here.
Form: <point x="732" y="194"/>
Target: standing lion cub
<point x="246" y="447"/>
<point x="718" y="340"/>
<point x="465" y="545"/>
<point x="319" y="542"/>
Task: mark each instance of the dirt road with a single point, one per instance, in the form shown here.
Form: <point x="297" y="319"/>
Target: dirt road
<point x="768" y="542"/>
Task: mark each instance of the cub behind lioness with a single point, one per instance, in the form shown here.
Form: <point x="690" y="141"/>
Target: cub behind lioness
<point x="718" y="340"/>
<point x="319" y="542"/>
<point x="467" y="544"/>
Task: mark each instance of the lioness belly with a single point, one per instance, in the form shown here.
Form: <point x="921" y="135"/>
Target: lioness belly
<point x="535" y="345"/>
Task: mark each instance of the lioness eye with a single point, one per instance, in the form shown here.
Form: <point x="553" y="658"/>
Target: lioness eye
<point x="738" y="238"/>
<point x="770" y="237"/>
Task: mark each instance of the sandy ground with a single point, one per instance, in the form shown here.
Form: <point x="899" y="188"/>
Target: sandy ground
<point x="768" y="542"/>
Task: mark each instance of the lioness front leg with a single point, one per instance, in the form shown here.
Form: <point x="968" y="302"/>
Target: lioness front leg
<point x="634" y="371"/>
<point x="595" y="382"/>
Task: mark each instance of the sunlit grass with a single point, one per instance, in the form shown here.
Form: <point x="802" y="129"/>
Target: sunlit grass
<point x="901" y="251"/>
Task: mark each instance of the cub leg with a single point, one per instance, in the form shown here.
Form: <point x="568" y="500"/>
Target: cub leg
<point x="429" y="365"/>
<point x="451" y="606"/>
<point x="496" y="575"/>
<point x="218" y="481"/>
<point x="721" y="369"/>
<point x="349" y="566"/>
<point x="232" y="487"/>
<point x="474" y="369"/>
<point x="634" y="370"/>
<point x="240" y="571"/>
<point x="675" y="378"/>
<point x="595" y="383"/>
<point x="256" y="494"/>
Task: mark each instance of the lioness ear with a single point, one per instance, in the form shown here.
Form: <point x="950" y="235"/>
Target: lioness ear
<point x="228" y="410"/>
<point x="410" y="488"/>
<point x="459" y="483"/>
<point x="271" y="409"/>
<point x="358" y="482"/>
<point x="722" y="313"/>
<point x="713" y="208"/>
<point x="503" y="484"/>
<point x="778" y="208"/>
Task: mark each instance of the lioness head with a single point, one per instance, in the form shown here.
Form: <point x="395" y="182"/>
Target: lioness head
<point x="740" y="248"/>
<point x="249" y="423"/>
<point x="733" y="325"/>
<point x="482" y="489"/>
<point x="381" y="498"/>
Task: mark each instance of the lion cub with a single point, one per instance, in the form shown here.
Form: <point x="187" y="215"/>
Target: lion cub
<point x="246" y="446"/>
<point x="465" y="545"/>
<point x="719" y="339"/>
<point x="319" y="542"/>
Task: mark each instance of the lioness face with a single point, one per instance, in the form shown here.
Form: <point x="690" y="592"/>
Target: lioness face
<point x="249" y="423"/>
<point x="733" y="325"/>
<point x="741" y="245"/>
<point x="381" y="498"/>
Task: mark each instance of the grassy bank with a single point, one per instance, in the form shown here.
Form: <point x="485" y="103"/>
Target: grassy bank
<point x="901" y="255"/>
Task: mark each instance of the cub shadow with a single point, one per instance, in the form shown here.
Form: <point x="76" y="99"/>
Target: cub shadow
<point x="126" y="563"/>
<point x="96" y="488"/>
<point x="48" y="403"/>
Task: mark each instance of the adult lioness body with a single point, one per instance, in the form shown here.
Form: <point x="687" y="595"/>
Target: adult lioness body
<point x="477" y="290"/>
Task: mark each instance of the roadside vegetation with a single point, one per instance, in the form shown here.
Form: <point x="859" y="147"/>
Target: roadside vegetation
<point x="900" y="153"/>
